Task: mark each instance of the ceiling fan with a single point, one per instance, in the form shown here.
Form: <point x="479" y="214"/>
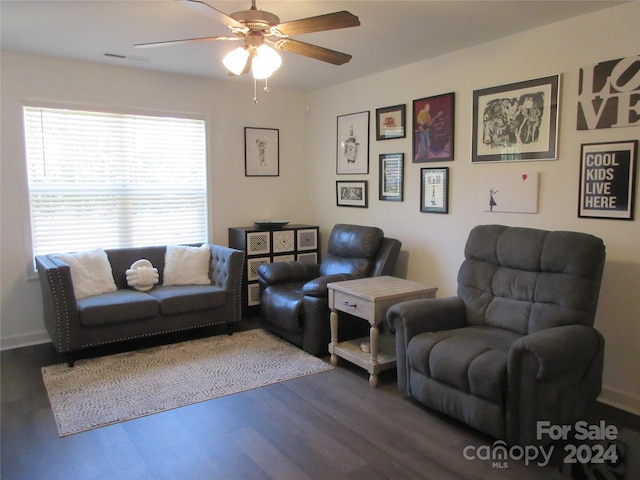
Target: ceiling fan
<point x="258" y="29"/>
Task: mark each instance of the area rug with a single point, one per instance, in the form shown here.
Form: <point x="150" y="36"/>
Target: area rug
<point x="101" y="391"/>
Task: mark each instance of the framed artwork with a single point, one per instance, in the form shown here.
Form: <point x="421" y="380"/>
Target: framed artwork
<point x="352" y="144"/>
<point x="390" y="122"/>
<point x="261" y="152"/>
<point x="351" y="194"/>
<point x="434" y="190"/>
<point x="608" y="93"/>
<point x="510" y="192"/>
<point x="607" y="180"/>
<point x="433" y="128"/>
<point x="391" y="176"/>
<point x="516" y="122"/>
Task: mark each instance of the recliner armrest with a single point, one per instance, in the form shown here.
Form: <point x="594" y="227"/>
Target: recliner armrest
<point x="410" y="318"/>
<point x="557" y="351"/>
<point x="318" y="286"/>
<point x="426" y="315"/>
<point x="549" y="373"/>
<point x="283" y="272"/>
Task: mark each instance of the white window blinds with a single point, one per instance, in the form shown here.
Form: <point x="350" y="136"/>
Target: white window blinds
<point x="111" y="180"/>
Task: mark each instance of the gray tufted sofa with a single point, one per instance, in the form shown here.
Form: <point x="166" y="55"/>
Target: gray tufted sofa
<point x="517" y="344"/>
<point x="126" y="314"/>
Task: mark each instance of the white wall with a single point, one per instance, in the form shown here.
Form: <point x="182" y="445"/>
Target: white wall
<point x="235" y="200"/>
<point x="432" y="243"/>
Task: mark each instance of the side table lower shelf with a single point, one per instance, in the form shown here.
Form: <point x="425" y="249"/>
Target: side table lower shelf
<point x="350" y="351"/>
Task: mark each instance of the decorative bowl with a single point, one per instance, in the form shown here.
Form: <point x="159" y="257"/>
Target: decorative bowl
<point x="271" y="223"/>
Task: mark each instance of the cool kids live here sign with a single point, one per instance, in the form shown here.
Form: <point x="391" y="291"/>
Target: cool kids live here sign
<point x="607" y="171"/>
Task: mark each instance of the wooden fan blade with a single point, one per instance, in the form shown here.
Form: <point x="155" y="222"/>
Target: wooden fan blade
<point x="210" y="11"/>
<point x="321" y="23"/>
<point x="186" y="40"/>
<point x="312" y="51"/>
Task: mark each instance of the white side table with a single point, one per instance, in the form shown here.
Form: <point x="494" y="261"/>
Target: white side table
<point x="369" y="299"/>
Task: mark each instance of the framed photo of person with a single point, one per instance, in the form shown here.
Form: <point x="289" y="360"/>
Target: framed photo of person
<point x="433" y="128"/>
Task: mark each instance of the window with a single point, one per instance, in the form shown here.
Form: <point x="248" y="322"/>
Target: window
<point x="99" y="179"/>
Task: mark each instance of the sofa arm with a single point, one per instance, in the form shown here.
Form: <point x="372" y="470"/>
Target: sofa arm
<point x="227" y="265"/>
<point x="408" y="319"/>
<point x="285" y="272"/>
<point x="559" y="366"/>
<point x="60" y="309"/>
<point x="318" y="286"/>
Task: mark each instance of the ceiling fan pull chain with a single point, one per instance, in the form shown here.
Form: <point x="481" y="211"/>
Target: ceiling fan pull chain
<point x="255" y="90"/>
<point x="266" y="85"/>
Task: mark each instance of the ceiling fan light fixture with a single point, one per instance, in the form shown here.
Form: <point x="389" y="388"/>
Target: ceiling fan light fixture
<point x="265" y="62"/>
<point x="236" y="60"/>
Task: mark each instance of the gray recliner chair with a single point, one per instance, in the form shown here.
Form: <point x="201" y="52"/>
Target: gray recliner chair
<point x="516" y="345"/>
<point x="294" y="297"/>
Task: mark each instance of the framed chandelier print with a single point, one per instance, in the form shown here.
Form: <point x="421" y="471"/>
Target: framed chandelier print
<point x="352" y="144"/>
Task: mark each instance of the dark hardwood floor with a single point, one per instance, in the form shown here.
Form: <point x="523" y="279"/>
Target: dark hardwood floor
<point x="329" y="426"/>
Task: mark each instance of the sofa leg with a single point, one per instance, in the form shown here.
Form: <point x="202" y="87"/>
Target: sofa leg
<point x="70" y="360"/>
<point x="230" y="328"/>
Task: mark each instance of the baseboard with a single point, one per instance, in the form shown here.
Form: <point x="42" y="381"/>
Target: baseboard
<point x="25" y="340"/>
<point x="620" y="399"/>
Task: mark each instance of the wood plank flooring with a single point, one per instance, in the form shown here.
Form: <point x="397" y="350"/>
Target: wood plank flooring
<point x="329" y="426"/>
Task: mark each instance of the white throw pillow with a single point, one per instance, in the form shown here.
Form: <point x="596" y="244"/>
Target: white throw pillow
<point x="90" y="272"/>
<point x="185" y="265"/>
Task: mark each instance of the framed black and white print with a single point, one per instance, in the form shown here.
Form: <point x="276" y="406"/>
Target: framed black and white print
<point x="607" y="180"/>
<point x="391" y="176"/>
<point x="516" y="122"/>
<point x="434" y="190"/>
<point x="391" y="122"/>
<point x="352" y="144"/>
<point x="351" y="194"/>
<point x="261" y="152"/>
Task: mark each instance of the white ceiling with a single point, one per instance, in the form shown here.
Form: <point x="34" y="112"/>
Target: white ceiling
<point x="392" y="33"/>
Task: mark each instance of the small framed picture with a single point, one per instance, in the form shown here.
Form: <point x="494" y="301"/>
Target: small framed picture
<point x="434" y="190"/>
<point x="351" y="194"/>
<point x="391" y="176"/>
<point x="261" y="152"/>
<point x="390" y="122"/>
<point x="433" y="128"/>
<point x="352" y="144"/>
<point x="607" y="180"/>
<point x="516" y="122"/>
